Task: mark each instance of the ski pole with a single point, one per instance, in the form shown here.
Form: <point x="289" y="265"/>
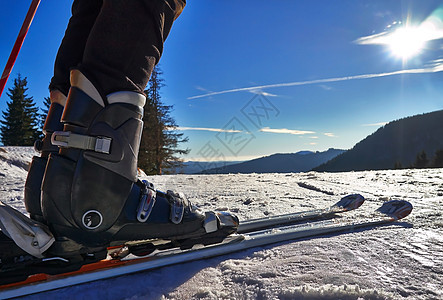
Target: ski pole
<point x="18" y="44"/>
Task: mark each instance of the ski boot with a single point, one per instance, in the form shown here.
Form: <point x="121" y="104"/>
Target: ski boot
<point x="38" y="164"/>
<point x="91" y="197"/>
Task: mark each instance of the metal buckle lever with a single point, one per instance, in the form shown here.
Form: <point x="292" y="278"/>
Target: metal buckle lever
<point x="67" y="139"/>
<point x="177" y="206"/>
<point x="60" y="138"/>
<point x="147" y="201"/>
<point x="102" y="144"/>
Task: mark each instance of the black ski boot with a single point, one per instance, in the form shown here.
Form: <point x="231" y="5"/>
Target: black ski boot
<point x="38" y="165"/>
<point x="91" y="197"/>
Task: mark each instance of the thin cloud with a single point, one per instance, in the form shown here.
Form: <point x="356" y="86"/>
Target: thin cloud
<point x="330" y="134"/>
<point x="436" y="67"/>
<point x="286" y="131"/>
<point x="436" y="62"/>
<point x="378" y="38"/>
<point x="263" y="93"/>
<point x="376" y="124"/>
<point x="200" y="88"/>
<point x="203" y="129"/>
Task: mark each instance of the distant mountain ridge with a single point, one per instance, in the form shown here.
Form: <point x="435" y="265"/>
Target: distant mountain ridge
<point x="279" y="163"/>
<point x="395" y="144"/>
<point x="195" y="167"/>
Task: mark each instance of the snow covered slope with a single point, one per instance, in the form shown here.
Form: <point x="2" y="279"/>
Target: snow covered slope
<point x="14" y="163"/>
<point x="404" y="261"/>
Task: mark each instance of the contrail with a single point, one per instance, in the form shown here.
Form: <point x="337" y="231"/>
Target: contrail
<point x="438" y="67"/>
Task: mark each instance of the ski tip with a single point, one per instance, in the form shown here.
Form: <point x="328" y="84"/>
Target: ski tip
<point x="350" y="202"/>
<point x="396" y="209"/>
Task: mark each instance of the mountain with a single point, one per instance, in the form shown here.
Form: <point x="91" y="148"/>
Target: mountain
<point x="193" y="167"/>
<point x="279" y="163"/>
<point x="396" y="144"/>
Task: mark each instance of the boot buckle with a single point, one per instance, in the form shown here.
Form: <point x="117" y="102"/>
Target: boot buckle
<point x="68" y="139"/>
<point x="147" y="201"/>
<point x="177" y="207"/>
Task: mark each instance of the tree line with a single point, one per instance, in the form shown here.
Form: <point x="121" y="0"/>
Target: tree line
<point x="422" y="161"/>
<point x="160" y="150"/>
<point x="398" y="144"/>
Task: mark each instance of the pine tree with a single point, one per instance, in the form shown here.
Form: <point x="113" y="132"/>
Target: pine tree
<point x="20" y="121"/>
<point x="45" y="109"/>
<point x="421" y="161"/>
<point x="438" y="159"/>
<point x="159" y="145"/>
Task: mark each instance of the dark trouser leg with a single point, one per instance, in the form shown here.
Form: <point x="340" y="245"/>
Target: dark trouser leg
<point x="126" y="42"/>
<point x="70" y="52"/>
<point x="115" y="43"/>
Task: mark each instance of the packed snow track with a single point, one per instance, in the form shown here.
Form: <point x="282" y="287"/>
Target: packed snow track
<point x="401" y="261"/>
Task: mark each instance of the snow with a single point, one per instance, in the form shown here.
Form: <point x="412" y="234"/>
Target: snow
<point x="401" y="261"/>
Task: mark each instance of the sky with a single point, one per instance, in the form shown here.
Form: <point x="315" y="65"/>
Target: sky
<point x="252" y="78"/>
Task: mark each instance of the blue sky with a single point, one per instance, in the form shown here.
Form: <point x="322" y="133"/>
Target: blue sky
<point x="252" y="78"/>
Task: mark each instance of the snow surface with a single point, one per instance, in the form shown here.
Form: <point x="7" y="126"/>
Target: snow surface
<point x="402" y="261"/>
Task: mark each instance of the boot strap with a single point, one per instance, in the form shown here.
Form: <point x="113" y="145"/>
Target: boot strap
<point x="68" y="139"/>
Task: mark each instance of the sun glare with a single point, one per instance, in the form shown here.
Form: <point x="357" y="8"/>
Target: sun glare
<point x="406" y="42"/>
<point x="408" y="39"/>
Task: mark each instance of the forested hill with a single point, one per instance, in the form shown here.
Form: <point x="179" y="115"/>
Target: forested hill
<point x="279" y="163"/>
<point x="395" y="145"/>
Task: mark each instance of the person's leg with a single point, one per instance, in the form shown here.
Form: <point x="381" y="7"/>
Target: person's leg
<point x="97" y="198"/>
<point x="70" y="54"/>
<point x="126" y="42"/>
<point x="72" y="47"/>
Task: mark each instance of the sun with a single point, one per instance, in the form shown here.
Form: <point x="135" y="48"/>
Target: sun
<point x="410" y="38"/>
<point x="406" y="42"/>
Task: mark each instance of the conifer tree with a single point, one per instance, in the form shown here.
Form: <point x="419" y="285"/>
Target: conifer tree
<point x="20" y="120"/>
<point x="438" y="159"/>
<point x="159" y="148"/>
<point x="45" y="110"/>
<point x="398" y="165"/>
<point x="421" y="161"/>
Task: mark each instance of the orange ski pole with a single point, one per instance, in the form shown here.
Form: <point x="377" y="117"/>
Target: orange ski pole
<point x="18" y="44"/>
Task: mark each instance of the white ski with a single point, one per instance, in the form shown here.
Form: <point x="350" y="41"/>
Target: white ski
<point x="389" y="212"/>
<point x="347" y="203"/>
